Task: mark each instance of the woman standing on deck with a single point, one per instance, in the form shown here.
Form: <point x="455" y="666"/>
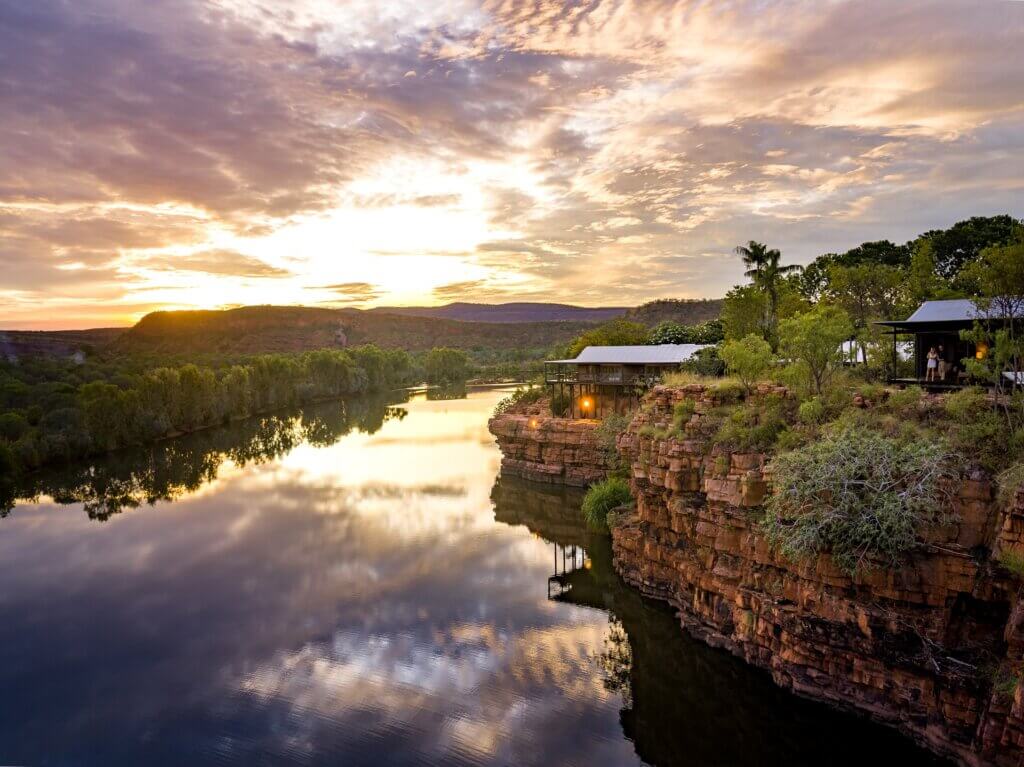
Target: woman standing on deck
<point x="933" y="365"/>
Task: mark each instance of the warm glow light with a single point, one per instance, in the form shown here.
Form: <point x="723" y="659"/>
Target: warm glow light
<point x="982" y="351"/>
<point x="586" y="403"/>
<point x="533" y="423"/>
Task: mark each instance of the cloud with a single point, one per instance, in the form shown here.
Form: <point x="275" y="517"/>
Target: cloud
<point x="350" y="292"/>
<point x="637" y="140"/>
<point x="459" y="290"/>
<point x="224" y="262"/>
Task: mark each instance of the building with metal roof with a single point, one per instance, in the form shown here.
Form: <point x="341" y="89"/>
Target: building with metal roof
<point x="935" y="327"/>
<point x="610" y="379"/>
<point x="662" y="354"/>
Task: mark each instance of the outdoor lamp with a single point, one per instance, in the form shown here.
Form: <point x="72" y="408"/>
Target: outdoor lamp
<point x="533" y="423"/>
<point x="586" y="403"/>
<point x="982" y="351"/>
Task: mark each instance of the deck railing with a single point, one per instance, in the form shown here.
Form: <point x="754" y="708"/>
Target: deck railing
<point x="609" y="379"/>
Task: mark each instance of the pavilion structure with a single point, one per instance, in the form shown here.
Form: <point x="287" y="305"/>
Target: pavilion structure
<point x="937" y="324"/>
<point x="611" y="379"/>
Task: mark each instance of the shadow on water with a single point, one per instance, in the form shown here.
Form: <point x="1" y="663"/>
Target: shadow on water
<point x="174" y="468"/>
<point x="685" y="703"/>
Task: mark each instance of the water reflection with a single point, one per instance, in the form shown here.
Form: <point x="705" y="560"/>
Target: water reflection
<point x="171" y="469"/>
<point x="332" y="589"/>
<point x="682" y="702"/>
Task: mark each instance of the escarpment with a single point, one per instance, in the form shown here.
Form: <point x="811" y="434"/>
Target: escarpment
<point x="934" y="647"/>
<point x="536" y="446"/>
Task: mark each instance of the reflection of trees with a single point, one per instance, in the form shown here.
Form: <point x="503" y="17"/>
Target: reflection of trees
<point x="682" y="701"/>
<point x="168" y="470"/>
<point x="616" y="661"/>
<point x="451" y="391"/>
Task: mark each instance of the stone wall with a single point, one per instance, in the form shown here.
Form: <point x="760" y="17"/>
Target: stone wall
<point x="547" y="449"/>
<point x="918" y="647"/>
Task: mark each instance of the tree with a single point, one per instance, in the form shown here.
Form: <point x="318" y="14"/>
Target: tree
<point x="669" y="332"/>
<point x="868" y="292"/>
<point x="747" y="359"/>
<point x="766" y="272"/>
<point x="999" y="274"/>
<point x="812" y="342"/>
<point x="923" y="282"/>
<point x="618" y="332"/>
<point x="743" y="312"/>
<point x="957" y="246"/>
<point x="877" y="252"/>
<point x="443" y="365"/>
<point x="13" y="426"/>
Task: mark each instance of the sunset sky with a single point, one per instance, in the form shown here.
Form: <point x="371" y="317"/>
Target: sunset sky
<point x="176" y="153"/>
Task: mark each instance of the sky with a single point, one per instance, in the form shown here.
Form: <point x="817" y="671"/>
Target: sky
<point x="174" y="154"/>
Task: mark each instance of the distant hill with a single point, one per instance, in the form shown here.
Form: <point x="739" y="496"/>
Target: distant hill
<point x="511" y="312"/>
<point x="685" y="311"/>
<point x="253" y="329"/>
<point x="256" y="329"/>
<point x="15" y="344"/>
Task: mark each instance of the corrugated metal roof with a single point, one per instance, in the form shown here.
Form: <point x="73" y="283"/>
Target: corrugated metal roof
<point x="953" y="310"/>
<point x="662" y="354"/>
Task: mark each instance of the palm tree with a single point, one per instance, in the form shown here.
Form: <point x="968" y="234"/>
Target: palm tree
<point x="766" y="272"/>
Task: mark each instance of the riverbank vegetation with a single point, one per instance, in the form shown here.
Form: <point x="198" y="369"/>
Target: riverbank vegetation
<point x="601" y="498"/>
<point x="54" y="410"/>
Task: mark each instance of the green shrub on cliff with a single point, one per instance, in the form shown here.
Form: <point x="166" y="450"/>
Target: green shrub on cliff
<point x="519" y="398"/>
<point x="1009" y="482"/>
<point x="607" y="435"/>
<point x="755" y="424"/>
<point x="858" y="495"/>
<point x="601" y="498"/>
<point x="560" y="405"/>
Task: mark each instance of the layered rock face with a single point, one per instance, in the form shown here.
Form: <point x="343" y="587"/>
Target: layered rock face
<point x="546" y="449"/>
<point x="934" y="647"/>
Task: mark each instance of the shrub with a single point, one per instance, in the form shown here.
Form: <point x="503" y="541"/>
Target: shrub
<point x="1009" y="482"/>
<point x="1013" y="562"/>
<point x="728" y="391"/>
<point x="705" y="362"/>
<point x="856" y="494"/>
<point x="754" y="425"/>
<point x="979" y="432"/>
<point x="519" y="398"/>
<point x="607" y="434"/>
<point x="747" y="359"/>
<point x="682" y="412"/>
<point x="560" y="405"/>
<point x="601" y="498"/>
<point x="789" y="439"/>
<point x="682" y="377"/>
<point x="1004" y="682"/>
<point x="905" y="402"/>
<point x="967" y="404"/>
<point x="812" y="411"/>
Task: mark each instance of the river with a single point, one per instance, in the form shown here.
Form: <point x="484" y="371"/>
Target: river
<point x="355" y="585"/>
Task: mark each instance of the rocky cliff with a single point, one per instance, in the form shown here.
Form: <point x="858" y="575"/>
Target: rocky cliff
<point x="934" y="647"/>
<point x="541" y="448"/>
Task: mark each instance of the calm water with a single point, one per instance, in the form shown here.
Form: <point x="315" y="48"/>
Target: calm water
<point x="354" y="586"/>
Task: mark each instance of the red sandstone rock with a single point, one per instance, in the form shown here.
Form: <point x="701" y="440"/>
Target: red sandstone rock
<point x="905" y="646"/>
